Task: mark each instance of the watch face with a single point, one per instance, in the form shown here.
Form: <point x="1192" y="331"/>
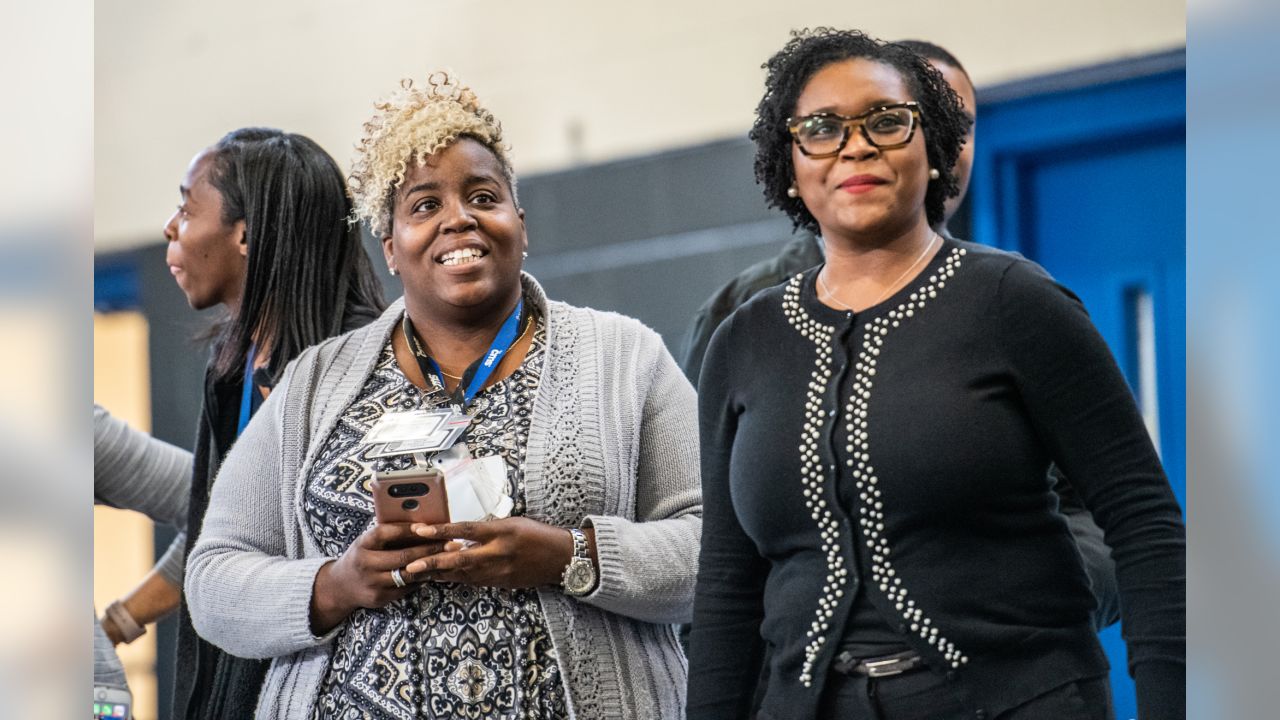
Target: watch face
<point x="580" y="577"/>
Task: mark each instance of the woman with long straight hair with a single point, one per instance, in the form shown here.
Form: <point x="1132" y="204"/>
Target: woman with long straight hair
<point x="262" y="231"/>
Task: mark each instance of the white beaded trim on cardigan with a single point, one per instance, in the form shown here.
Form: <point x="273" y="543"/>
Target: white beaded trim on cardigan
<point x="812" y="471"/>
<point x="871" y="509"/>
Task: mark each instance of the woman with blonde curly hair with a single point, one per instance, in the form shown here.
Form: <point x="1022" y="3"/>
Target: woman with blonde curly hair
<point x="561" y="607"/>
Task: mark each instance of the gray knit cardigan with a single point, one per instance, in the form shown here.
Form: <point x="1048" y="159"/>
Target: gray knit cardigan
<point x="613" y="444"/>
<point x="134" y="471"/>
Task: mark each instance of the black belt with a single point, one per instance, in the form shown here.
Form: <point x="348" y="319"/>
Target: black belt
<point x="878" y="667"/>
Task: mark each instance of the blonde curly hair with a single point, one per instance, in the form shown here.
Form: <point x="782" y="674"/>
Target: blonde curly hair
<point x="407" y="128"/>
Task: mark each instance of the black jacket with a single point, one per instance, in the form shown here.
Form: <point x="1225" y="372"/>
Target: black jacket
<point x="938" y="412"/>
<point x="211" y="684"/>
<point x="802" y="252"/>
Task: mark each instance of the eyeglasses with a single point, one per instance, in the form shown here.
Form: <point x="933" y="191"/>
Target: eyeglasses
<point x="822" y="135"/>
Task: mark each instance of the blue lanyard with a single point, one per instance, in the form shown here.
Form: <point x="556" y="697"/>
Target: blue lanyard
<point x="480" y="371"/>
<point x="246" y="397"/>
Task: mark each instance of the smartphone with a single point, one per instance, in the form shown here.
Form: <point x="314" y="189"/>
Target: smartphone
<point x="111" y="703"/>
<point x="413" y="495"/>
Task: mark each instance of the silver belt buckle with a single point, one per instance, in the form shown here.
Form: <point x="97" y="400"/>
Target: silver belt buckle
<point x="887" y="668"/>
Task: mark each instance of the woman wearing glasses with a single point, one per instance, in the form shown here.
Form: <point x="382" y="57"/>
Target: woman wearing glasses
<point x="876" y="433"/>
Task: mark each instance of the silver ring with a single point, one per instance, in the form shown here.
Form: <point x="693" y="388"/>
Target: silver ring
<point x="397" y="578"/>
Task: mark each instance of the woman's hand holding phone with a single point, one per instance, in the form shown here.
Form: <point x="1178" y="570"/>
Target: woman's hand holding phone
<point x="514" y="552"/>
<point x="362" y="577"/>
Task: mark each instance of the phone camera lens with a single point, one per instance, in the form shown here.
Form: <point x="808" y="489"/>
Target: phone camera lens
<point x="410" y="505"/>
<point x="408" y="490"/>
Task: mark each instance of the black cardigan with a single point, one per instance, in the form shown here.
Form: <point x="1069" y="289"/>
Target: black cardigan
<point x="803" y="252"/>
<point x="943" y="406"/>
<point x="211" y="684"/>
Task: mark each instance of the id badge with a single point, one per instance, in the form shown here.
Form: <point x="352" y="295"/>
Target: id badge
<point x="416" y="431"/>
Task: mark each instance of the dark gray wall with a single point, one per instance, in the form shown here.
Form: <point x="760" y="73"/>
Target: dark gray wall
<point x="650" y="237"/>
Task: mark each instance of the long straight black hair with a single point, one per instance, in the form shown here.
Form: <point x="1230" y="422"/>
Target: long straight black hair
<point x="307" y="269"/>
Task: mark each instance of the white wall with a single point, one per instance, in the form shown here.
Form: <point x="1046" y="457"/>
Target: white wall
<point x="171" y="77"/>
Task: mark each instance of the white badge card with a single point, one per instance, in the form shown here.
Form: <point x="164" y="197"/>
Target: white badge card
<point x="403" y="433"/>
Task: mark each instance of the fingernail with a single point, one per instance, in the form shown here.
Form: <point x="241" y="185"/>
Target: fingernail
<point x="415" y="567"/>
<point x="424" y="530"/>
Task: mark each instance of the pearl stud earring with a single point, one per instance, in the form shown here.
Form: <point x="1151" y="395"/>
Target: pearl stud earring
<point x="934" y="174"/>
<point x="792" y="192"/>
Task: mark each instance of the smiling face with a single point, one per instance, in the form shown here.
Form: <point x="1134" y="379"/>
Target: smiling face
<point x="457" y="238"/>
<point x="207" y="256"/>
<point x="863" y="191"/>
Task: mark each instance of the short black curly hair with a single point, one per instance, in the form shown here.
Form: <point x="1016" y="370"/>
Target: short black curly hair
<point x="943" y="119"/>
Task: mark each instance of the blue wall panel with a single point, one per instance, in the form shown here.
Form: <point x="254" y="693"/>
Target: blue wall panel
<point x="1091" y="183"/>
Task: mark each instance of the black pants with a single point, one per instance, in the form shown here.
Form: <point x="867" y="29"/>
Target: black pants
<point x="924" y="695"/>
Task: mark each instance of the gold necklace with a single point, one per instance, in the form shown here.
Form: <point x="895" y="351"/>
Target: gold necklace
<point x="888" y="290"/>
<point x="517" y="342"/>
<point x="830" y="295"/>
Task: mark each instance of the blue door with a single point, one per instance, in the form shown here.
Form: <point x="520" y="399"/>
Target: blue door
<point x="1090" y="182"/>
